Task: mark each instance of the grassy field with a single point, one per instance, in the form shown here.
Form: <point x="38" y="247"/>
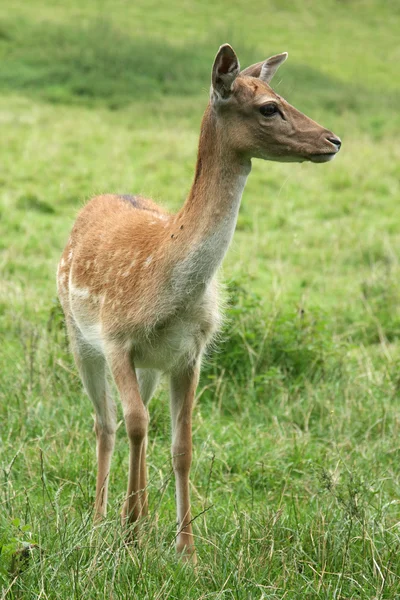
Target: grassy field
<point x="295" y="479"/>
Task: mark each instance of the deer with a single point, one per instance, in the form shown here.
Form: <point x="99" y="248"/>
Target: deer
<point x="138" y="285"/>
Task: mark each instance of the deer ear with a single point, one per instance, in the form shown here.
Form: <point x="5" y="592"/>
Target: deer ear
<point x="225" y="70"/>
<point x="271" y="65"/>
<point x="267" y="67"/>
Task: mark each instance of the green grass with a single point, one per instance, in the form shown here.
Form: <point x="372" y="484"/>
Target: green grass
<point x="295" y="480"/>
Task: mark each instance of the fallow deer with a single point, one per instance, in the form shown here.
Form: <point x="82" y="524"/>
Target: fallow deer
<point x="138" y="285"/>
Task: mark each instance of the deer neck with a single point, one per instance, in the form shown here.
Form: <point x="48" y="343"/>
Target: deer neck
<point x="208" y="218"/>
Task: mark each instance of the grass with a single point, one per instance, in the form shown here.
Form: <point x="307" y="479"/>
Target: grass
<point x="295" y="480"/>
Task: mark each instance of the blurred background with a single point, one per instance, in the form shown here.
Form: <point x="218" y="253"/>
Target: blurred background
<point x="296" y="427"/>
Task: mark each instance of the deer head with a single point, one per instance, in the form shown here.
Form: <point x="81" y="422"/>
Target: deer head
<point x="256" y="122"/>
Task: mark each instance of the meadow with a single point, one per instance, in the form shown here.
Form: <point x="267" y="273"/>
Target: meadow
<point x="295" y="477"/>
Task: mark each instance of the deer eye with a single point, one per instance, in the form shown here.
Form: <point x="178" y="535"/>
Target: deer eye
<point x="267" y="110"/>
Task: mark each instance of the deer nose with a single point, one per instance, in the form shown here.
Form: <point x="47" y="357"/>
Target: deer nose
<point x="335" y="141"/>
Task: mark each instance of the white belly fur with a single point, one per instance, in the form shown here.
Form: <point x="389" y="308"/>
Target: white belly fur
<point x="176" y="343"/>
<point x="182" y="339"/>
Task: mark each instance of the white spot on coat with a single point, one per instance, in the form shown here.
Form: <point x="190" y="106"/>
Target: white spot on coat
<point x="79" y="292"/>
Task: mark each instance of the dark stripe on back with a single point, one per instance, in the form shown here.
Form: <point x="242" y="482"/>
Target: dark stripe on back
<point x="132" y="200"/>
<point x="135" y="202"/>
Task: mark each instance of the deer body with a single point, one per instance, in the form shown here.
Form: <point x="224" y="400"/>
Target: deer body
<point x="133" y="295"/>
<point x="137" y="285"/>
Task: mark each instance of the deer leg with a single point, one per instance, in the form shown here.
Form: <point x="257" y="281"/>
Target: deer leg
<point x="148" y="380"/>
<point x="105" y="437"/>
<point x="91" y="366"/>
<point x="136" y="422"/>
<point x="183" y="387"/>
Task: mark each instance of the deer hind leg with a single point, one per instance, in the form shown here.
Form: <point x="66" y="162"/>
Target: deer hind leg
<point x="148" y="380"/>
<point x="92" y="369"/>
<point x="183" y="388"/>
<point x="136" y="422"/>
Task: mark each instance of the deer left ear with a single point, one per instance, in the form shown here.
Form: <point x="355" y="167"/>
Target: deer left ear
<point x="225" y="70"/>
<point x="271" y="65"/>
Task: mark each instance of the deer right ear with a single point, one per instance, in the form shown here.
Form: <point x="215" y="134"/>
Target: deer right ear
<point x="271" y="65"/>
<point x="225" y="70"/>
<point x="265" y="69"/>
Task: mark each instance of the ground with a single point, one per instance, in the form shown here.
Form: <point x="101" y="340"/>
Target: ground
<point x="295" y="479"/>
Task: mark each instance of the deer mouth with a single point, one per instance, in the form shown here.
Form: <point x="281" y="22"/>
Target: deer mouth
<point x="322" y="158"/>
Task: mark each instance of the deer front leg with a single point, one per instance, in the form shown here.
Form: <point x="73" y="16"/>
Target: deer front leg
<point x="143" y="480"/>
<point x="183" y="387"/>
<point x="136" y="422"/>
